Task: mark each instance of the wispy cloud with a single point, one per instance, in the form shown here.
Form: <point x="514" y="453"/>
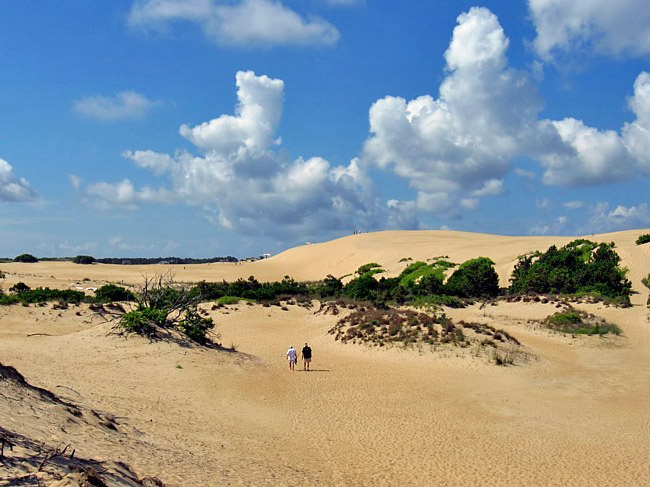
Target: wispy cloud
<point x="124" y="105"/>
<point x="243" y="22"/>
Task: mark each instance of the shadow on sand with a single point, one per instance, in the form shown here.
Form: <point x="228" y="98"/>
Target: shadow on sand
<point x="313" y="370"/>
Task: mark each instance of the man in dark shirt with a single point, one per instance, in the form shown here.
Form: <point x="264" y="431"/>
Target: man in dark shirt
<point x="306" y="357"/>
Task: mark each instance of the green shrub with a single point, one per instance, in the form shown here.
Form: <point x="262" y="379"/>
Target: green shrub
<point x="109" y="293"/>
<point x="195" y="327"/>
<point x="362" y="288"/>
<point x="25" y="295"/>
<point x="143" y="321"/>
<point x="83" y="259"/>
<point x="19" y="287"/>
<point x="8" y="299"/>
<point x="371" y="269"/>
<point x="580" y="323"/>
<point x="25" y="258"/>
<point x="643" y="239"/>
<point x="328" y="287"/>
<point x="474" y="278"/>
<point x="579" y="267"/>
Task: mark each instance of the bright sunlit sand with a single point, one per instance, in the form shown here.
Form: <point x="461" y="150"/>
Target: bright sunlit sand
<point x="575" y="413"/>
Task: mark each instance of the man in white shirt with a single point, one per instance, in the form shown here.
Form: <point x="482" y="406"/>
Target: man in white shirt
<point x="292" y="357"/>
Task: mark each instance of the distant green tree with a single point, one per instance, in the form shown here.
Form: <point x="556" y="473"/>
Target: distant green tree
<point x="83" y="259"/>
<point x="25" y="258"/>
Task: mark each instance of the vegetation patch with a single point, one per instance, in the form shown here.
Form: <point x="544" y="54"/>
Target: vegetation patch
<point x="22" y="293"/>
<point x="25" y="258"/>
<point x="577" y="322"/>
<point x="643" y="239"/>
<point x="229" y="300"/>
<point x="407" y="328"/>
<point x="84" y="259"/>
<point x="163" y="308"/>
<point x="109" y="293"/>
<point x="579" y="268"/>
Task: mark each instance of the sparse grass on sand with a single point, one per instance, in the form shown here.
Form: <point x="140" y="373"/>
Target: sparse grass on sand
<point x="575" y="322"/>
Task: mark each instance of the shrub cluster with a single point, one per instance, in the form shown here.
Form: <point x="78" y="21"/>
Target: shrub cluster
<point x="422" y="282"/>
<point x="579" y="267"/>
<point x="22" y="293"/>
<point x="643" y="239"/>
<point x="252" y="289"/>
<point x="164" y="306"/>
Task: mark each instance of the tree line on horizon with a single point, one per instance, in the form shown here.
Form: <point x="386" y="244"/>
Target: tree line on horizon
<point x="89" y="259"/>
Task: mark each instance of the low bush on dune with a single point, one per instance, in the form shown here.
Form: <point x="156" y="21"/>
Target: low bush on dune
<point x="646" y="283"/>
<point x="110" y="293"/>
<point x="407" y="328"/>
<point x="643" y="239"/>
<point x="580" y="268"/>
<point x="230" y="300"/>
<point x="423" y="284"/>
<point x="577" y="322"/>
<point x="22" y="293"/>
<point x="164" y="307"/>
<point x="251" y="289"/>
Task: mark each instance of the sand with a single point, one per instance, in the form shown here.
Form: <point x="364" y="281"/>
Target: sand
<point x="575" y="413"/>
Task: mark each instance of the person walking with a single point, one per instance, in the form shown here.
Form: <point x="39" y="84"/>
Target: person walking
<point x="306" y="357"/>
<point x="292" y="357"/>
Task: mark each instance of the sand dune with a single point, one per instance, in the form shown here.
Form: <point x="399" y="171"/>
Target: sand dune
<point x="576" y="413"/>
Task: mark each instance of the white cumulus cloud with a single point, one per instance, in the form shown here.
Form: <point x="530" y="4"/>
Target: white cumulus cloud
<point x="462" y="142"/>
<point x="243" y="22"/>
<point x="614" y="28"/>
<point x="244" y="184"/>
<point x="581" y="155"/>
<point x="121" y="106"/>
<point x="12" y="188"/>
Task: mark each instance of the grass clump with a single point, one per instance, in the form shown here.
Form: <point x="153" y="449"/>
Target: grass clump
<point x="577" y="322"/>
<point x="229" y="300"/>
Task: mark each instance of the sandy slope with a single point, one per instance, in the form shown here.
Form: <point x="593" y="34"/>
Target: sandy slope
<point x="575" y="414"/>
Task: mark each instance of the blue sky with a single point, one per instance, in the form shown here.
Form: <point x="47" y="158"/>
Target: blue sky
<point x="212" y="127"/>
